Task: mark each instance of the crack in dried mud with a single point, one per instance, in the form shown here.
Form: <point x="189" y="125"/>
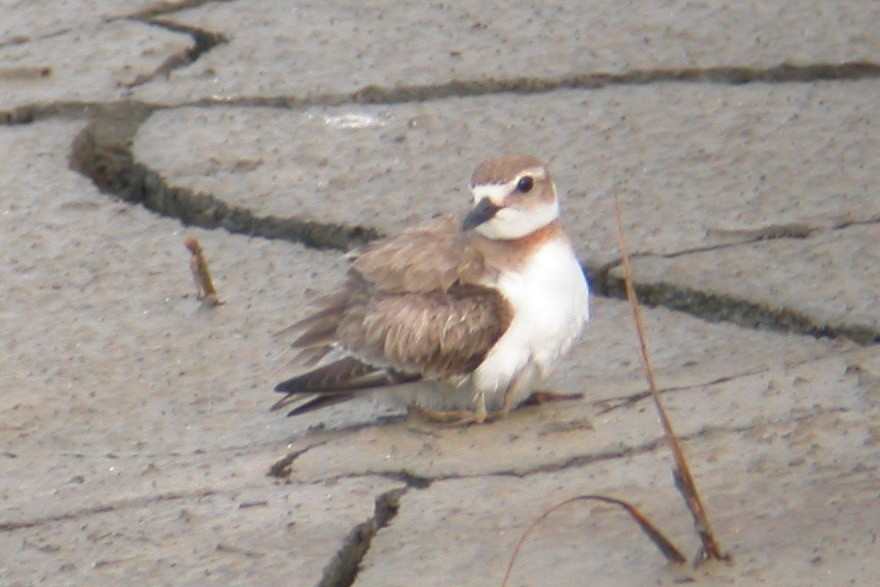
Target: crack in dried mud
<point x="732" y="75"/>
<point x="616" y="403"/>
<point x="164" y="8"/>
<point x="135" y="502"/>
<point x="343" y="568"/>
<point x="203" y="41"/>
<point x="102" y="152"/>
<point x="373" y="94"/>
<point x="720" y="307"/>
<point x="282" y="468"/>
<point x="419" y="481"/>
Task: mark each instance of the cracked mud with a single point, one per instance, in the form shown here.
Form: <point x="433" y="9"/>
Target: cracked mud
<point x="135" y="438"/>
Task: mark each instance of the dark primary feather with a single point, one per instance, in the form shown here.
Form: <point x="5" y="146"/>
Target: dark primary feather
<point x="334" y="383"/>
<point x="309" y="403"/>
<point x="345" y="375"/>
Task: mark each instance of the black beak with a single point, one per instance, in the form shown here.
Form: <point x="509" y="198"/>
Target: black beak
<point x="483" y="211"/>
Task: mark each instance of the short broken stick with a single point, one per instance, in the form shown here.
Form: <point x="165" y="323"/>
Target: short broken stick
<point x="205" y="290"/>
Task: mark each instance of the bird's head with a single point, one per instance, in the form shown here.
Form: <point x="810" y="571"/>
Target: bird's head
<point x="513" y="196"/>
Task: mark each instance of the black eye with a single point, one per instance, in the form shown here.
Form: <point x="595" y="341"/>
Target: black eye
<point x="525" y="184"/>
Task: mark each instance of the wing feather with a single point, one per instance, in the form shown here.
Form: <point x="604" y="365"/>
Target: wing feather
<point x="411" y="309"/>
<point x="430" y="257"/>
<point x="442" y="335"/>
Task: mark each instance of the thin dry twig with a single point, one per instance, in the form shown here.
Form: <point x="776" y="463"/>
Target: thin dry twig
<point x="683" y="479"/>
<point x="25" y="72"/>
<point x="205" y="290"/>
<point x="665" y="546"/>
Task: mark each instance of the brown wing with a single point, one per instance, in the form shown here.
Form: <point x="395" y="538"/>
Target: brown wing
<point x="430" y="257"/>
<point x="438" y="335"/>
<point x="409" y="310"/>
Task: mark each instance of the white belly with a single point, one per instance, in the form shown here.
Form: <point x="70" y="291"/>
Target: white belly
<point x="549" y="296"/>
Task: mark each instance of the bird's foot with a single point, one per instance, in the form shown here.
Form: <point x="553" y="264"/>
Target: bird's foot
<point x="441" y="416"/>
<point x="459" y="417"/>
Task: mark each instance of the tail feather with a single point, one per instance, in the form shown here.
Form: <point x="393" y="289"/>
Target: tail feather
<point x="303" y="403"/>
<point x="329" y="306"/>
<point x="342" y="375"/>
<point x="335" y="382"/>
<point x="321" y="333"/>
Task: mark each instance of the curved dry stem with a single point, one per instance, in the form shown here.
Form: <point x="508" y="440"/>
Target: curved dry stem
<point x="665" y="546"/>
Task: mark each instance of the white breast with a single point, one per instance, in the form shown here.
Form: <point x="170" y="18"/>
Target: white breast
<point x="549" y="296"/>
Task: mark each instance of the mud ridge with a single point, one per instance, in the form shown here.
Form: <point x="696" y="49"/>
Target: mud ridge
<point x="716" y="307"/>
<point x="102" y="152"/>
<point x="22" y="39"/>
<point x="203" y="41"/>
<point x="30" y="113"/>
<point x="282" y="469"/>
<point x="372" y="94"/>
<point x="343" y="568"/>
<point x="728" y="75"/>
<point x="576" y="461"/>
<point x="163" y="8"/>
<point x="136" y="502"/>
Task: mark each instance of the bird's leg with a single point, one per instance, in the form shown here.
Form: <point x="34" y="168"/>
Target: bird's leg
<point x="457" y="417"/>
<point x="508" y="401"/>
<point x="441" y="416"/>
<point x="481" y="415"/>
<point x="480" y="409"/>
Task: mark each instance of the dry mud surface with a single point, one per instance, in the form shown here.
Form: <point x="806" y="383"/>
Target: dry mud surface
<point x="136" y="444"/>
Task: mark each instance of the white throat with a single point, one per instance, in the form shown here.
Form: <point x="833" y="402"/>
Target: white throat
<point x="512" y="223"/>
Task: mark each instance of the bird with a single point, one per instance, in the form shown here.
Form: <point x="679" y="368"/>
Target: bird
<point x="459" y="320"/>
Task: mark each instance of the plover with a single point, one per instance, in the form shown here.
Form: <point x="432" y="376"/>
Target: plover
<point x="460" y="321"/>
